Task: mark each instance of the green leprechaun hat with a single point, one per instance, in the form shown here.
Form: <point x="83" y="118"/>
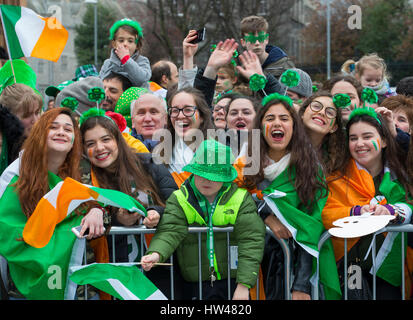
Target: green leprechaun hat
<point x="23" y="72"/>
<point x="213" y="161"/>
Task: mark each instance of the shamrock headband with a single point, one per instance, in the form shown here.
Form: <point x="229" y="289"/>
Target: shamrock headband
<point x="369" y="95"/>
<point x="368" y="111"/>
<point x="277" y="96"/>
<point x="252" y="38"/>
<point x="94" y="112"/>
<point x="70" y="102"/>
<point x="95" y="94"/>
<point x="341" y="100"/>
<point x="128" y="22"/>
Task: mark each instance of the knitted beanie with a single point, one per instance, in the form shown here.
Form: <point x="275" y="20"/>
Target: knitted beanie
<point x="305" y="86"/>
<point x="79" y="91"/>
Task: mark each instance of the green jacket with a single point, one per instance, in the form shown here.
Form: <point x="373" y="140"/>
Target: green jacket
<point x="249" y="232"/>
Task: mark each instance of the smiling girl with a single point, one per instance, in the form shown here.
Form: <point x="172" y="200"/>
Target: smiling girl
<point x="373" y="181"/>
<point x="323" y="124"/>
<point x="289" y="169"/>
<point x="50" y="154"/>
<point x="188" y="121"/>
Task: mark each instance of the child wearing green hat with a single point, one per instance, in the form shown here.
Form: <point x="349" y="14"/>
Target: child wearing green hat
<point x="125" y="59"/>
<point x="209" y="198"/>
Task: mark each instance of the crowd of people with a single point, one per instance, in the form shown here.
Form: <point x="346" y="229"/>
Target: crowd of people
<point x="248" y="141"/>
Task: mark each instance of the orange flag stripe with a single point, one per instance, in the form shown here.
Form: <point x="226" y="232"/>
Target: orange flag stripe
<point x="52" y="40"/>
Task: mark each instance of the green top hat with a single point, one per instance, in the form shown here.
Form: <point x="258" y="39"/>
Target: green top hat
<point x="125" y="100"/>
<point x="23" y="72"/>
<point x="213" y="161"/>
<point x="52" y="91"/>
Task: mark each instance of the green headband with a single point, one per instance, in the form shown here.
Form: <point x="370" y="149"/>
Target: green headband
<point x="252" y="38"/>
<point x="368" y="111"/>
<point x="277" y="96"/>
<point x="127" y="22"/>
<point x="94" y="112"/>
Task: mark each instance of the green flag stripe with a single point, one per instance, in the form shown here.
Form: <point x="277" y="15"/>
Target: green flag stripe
<point x="10" y="16"/>
<point x="121" y="281"/>
<point x="119" y="199"/>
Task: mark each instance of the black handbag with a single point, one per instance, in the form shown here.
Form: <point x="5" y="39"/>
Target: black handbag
<point x="357" y="266"/>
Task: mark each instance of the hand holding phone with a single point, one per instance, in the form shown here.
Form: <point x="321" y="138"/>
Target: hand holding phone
<point x="200" y="36"/>
<point x="76" y="231"/>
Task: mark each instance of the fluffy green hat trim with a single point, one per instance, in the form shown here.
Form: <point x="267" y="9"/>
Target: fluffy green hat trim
<point x="277" y="96"/>
<point x="369" y="111"/>
<point x="127" y="22"/>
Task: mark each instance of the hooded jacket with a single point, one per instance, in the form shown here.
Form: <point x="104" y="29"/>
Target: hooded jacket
<point x="277" y="61"/>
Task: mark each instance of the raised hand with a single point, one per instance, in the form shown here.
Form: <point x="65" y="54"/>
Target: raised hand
<point x="250" y="64"/>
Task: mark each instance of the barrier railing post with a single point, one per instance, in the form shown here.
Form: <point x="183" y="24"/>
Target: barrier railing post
<point x="229" y="267"/>
<point x="172" y="277"/>
<point x="113" y="249"/>
<point x="85" y="263"/>
<point x="374" y="266"/>
<point x="345" y="269"/>
<point x="199" y="266"/>
<point x="403" y="262"/>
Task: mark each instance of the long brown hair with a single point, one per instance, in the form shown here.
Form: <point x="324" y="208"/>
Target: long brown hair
<point x="33" y="183"/>
<point x="332" y="150"/>
<point x="309" y="177"/>
<point x="128" y="166"/>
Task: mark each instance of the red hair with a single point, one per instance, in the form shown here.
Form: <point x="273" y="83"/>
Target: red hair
<point x="33" y="182"/>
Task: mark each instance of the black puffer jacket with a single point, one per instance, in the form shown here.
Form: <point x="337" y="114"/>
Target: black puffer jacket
<point x="273" y="261"/>
<point x="12" y="129"/>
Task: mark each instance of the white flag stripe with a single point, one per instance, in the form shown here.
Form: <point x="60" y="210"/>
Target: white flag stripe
<point x="124" y="292"/>
<point x="29" y="28"/>
<point x="157" y="295"/>
<point x="11" y="171"/>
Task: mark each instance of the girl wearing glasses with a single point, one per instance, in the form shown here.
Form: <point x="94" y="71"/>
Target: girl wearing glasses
<point x="188" y="121"/>
<point x="323" y="124"/>
<point x="372" y="181"/>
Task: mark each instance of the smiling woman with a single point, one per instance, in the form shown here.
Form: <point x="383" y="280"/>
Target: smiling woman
<point x="50" y="154"/>
<point x="291" y="191"/>
<point x="323" y="124"/>
<point x="372" y="181"/>
<point x="188" y="122"/>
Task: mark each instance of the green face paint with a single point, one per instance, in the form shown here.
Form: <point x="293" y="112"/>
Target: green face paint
<point x="73" y="139"/>
<point x="331" y="122"/>
<point x="375" y="145"/>
<point x="252" y="38"/>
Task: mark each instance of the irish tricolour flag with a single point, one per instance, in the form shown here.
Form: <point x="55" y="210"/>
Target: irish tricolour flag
<point x="30" y="35"/>
<point x="123" y="281"/>
<point x="60" y="202"/>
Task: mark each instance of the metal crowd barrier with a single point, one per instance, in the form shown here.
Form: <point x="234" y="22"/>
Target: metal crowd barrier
<point x="402" y="229"/>
<point x="141" y="230"/>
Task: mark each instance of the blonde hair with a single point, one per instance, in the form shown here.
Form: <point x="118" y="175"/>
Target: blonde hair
<point x="19" y="98"/>
<point x="371" y="60"/>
